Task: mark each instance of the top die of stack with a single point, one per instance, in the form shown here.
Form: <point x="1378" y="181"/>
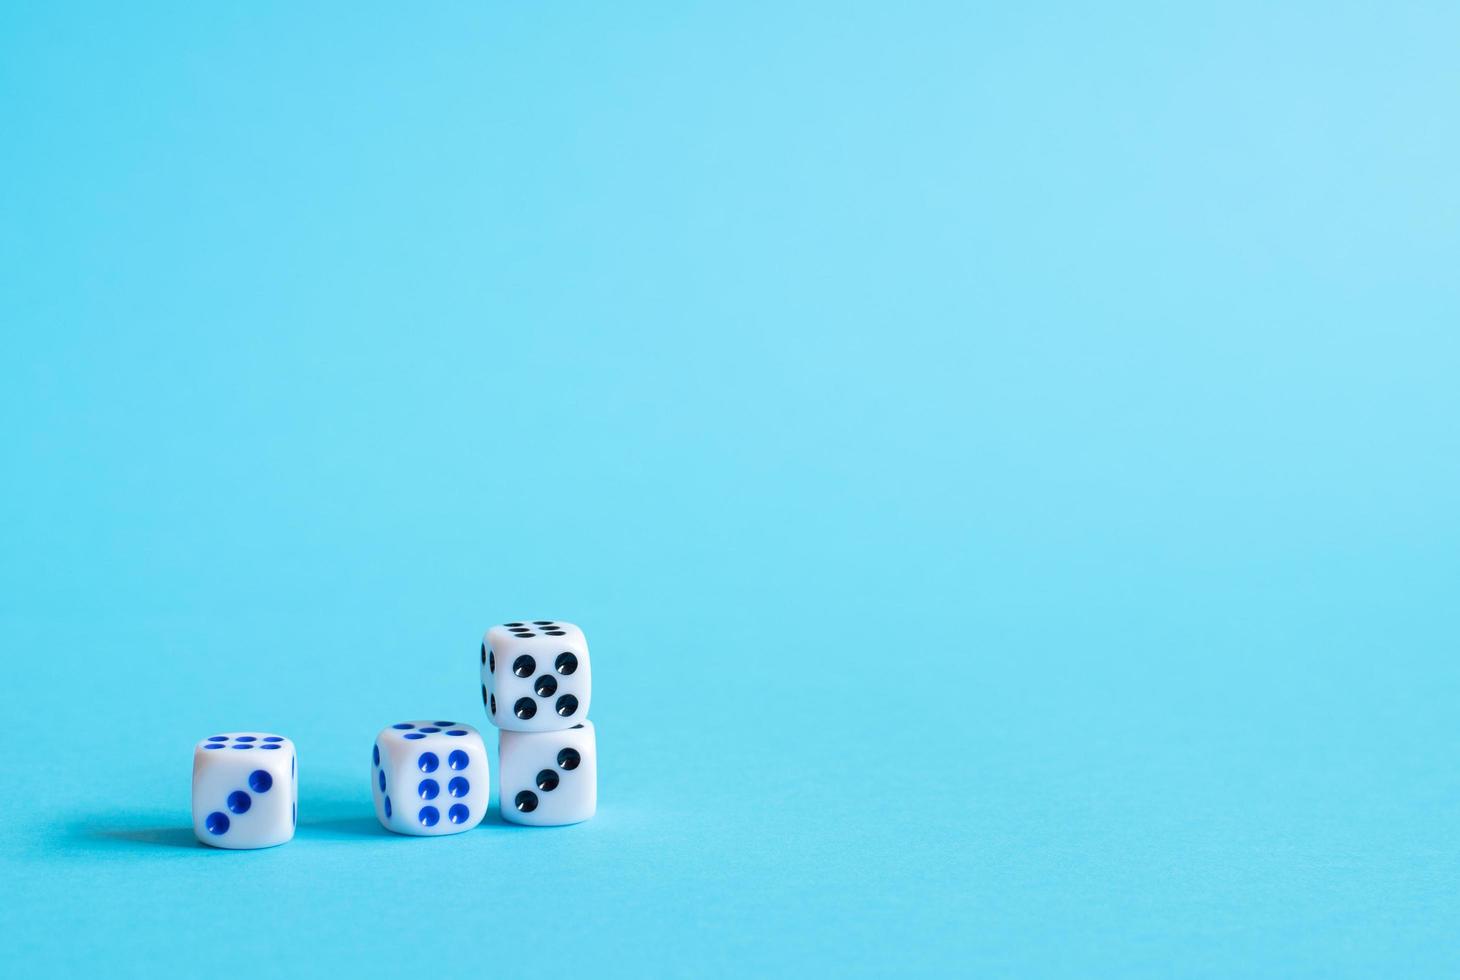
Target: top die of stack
<point x="536" y="676"/>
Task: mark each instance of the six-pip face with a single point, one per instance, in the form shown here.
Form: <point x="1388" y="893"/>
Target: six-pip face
<point x="245" y="790"/>
<point x="429" y="778"/>
<point x="536" y="676"/>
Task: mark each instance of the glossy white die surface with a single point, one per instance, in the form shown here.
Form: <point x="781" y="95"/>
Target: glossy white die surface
<point x="430" y="778"/>
<point x="245" y="790"/>
<point x="548" y="778"/>
<point x="536" y="676"/>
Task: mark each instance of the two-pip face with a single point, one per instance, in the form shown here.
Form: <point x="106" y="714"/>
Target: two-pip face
<point x="536" y="676"/>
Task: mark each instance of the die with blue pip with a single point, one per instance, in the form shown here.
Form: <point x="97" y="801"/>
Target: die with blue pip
<point x="429" y="778"/>
<point x="245" y="790"/>
<point x="537" y="682"/>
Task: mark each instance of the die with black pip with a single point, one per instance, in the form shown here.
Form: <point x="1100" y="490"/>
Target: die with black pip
<point x="537" y="682"/>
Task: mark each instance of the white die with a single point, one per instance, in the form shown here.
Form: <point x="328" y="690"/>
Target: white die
<point x="430" y="778"/>
<point x="536" y="676"/>
<point x="245" y="790"/>
<point x="548" y="778"/>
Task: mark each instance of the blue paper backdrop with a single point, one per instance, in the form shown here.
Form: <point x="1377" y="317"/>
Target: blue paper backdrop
<point x="1005" y="457"/>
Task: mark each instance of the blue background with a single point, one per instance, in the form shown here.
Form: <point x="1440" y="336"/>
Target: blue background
<point x="1005" y="459"/>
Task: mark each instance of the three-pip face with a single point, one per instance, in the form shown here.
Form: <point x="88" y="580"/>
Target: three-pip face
<point x="245" y="790"/>
<point x="536" y="676"/>
<point x="429" y="778"/>
<point x="548" y="778"/>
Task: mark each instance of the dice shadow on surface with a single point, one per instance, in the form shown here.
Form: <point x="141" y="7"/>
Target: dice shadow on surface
<point x="338" y="812"/>
<point x="155" y="836"/>
<point x="342" y="826"/>
<point x="493" y="820"/>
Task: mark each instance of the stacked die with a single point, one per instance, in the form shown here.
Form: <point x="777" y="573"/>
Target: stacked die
<point x="536" y="685"/>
